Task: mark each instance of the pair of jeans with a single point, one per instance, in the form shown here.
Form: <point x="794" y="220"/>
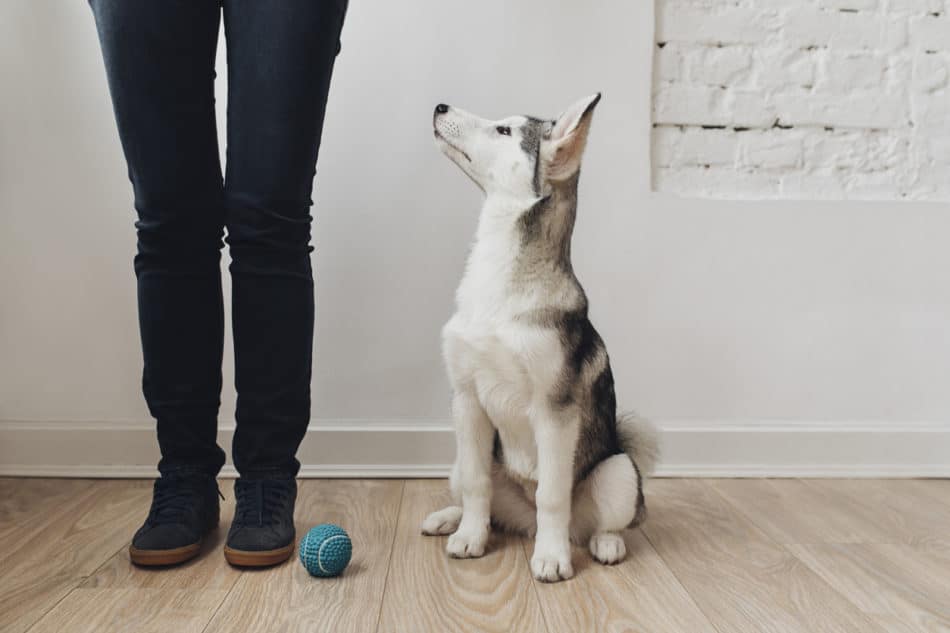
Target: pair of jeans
<point x="160" y="58"/>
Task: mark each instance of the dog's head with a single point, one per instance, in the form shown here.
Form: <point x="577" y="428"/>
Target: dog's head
<point x="518" y="156"/>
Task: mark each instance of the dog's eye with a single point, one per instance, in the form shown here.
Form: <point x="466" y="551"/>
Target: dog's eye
<point x="504" y="130"/>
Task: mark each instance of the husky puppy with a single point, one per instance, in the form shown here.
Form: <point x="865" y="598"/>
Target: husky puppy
<point x="540" y="448"/>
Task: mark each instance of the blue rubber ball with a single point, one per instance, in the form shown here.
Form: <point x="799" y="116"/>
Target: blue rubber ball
<point x="325" y="550"/>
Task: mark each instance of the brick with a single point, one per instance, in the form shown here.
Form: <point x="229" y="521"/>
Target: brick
<point x="771" y="149"/>
<point x="835" y="149"/>
<point x="779" y="67"/>
<point x="724" y="25"/>
<point x="883" y="151"/>
<point x="772" y="4"/>
<point x="854" y="5"/>
<point x="939" y="151"/>
<point x="931" y="111"/>
<point x="899" y="69"/>
<point x="719" y="66"/>
<point x="812" y="184"/>
<point x="807" y="27"/>
<point x="717" y="183"/>
<point x="665" y="140"/>
<point x="930" y="73"/>
<point x="868" y="31"/>
<point x="701" y="105"/>
<point x="748" y="109"/>
<point x="931" y="33"/>
<point x="932" y="182"/>
<point x="914" y="6"/>
<point x="842" y="73"/>
<point x="707" y="147"/>
<point x="864" y="110"/>
<point x="668" y="63"/>
<point x="875" y="185"/>
<point x="688" y="105"/>
<point x="857" y="152"/>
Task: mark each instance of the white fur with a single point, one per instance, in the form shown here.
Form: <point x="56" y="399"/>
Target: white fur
<point x="605" y="504"/>
<point x="445" y="521"/>
<point x="641" y="441"/>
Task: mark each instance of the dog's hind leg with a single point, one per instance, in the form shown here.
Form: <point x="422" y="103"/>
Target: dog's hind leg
<point x="605" y="503"/>
<point x="444" y="521"/>
<point x="511" y="509"/>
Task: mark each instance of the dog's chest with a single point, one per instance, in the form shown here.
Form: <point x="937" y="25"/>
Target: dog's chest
<point x="485" y="359"/>
<point x="494" y="362"/>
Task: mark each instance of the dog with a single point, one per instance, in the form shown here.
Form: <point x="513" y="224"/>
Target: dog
<point x="541" y="450"/>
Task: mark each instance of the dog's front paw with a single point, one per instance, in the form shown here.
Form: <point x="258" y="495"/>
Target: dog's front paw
<point x="467" y="542"/>
<point x="552" y="563"/>
<point x="608" y="547"/>
<point x="444" y="521"/>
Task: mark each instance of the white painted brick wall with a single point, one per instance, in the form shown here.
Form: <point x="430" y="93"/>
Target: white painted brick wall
<point x="802" y="98"/>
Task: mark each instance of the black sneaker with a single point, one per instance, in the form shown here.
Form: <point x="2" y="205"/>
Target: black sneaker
<point x="262" y="533"/>
<point x="184" y="510"/>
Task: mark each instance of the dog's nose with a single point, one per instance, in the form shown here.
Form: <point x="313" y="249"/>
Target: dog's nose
<point x="441" y="108"/>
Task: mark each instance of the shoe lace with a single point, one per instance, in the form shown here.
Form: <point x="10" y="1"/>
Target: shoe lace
<point x="173" y="498"/>
<point x="258" y="500"/>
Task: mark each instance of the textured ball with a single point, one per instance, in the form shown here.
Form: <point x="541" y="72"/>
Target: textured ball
<point x="325" y="550"/>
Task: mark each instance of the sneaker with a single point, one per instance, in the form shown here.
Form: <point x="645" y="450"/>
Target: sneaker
<point x="184" y="510"/>
<point x="262" y="533"/>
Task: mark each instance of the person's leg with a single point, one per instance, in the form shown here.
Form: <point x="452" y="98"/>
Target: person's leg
<point x="159" y="59"/>
<point x="280" y="59"/>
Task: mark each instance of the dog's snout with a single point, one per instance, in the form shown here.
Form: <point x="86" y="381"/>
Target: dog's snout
<point x="441" y="108"/>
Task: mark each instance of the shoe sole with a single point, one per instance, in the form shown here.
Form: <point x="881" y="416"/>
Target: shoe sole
<point x="268" y="558"/>
<point x="163" y="557"/>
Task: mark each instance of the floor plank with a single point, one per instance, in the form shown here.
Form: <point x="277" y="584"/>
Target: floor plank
<point x="26" y="505"/>
<point x="132" y="609"/>
<point x="841" y="510"/>
<point x="429" y="592"/>
<point x="902" y="587"/>
<point x="743" y="581"/>
<point x="61" y="551"/>
<point x="794" y="511"/>
<point x="287" y="598"/>
<point x="23" y="499"/>
<point x="911" y="511"/>
<point x="640" y="595"/>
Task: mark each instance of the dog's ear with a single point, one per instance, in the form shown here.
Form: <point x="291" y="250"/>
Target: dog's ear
<point x="564" y="144"/>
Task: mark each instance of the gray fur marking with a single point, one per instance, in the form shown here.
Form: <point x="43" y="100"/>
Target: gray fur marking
<point x="545" y="260"/>
<point x="531" y="134"/>
<point x="546" y="230"/>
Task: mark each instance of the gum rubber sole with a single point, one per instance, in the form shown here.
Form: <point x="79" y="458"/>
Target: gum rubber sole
<point x="163" y="557"/>
<point x="242" y="558"/>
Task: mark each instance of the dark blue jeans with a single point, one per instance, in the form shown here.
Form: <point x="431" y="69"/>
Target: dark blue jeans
<point x="159" y="57"/>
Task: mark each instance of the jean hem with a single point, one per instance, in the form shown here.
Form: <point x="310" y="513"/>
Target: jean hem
<point x="188" y="471"/>
<point x="268" y="473"/>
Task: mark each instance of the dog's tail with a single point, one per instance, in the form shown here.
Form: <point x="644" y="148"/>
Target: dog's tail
<point x="640" y="442"/>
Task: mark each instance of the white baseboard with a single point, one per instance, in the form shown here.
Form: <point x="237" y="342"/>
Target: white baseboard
<point x="398" y="448"/>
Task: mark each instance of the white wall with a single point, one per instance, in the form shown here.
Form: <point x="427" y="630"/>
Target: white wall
<point x="719" y="316"/>
<point x="803" y="99"/>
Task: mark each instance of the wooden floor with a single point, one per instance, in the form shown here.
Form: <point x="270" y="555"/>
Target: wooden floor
<point x="726" y="556"/>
